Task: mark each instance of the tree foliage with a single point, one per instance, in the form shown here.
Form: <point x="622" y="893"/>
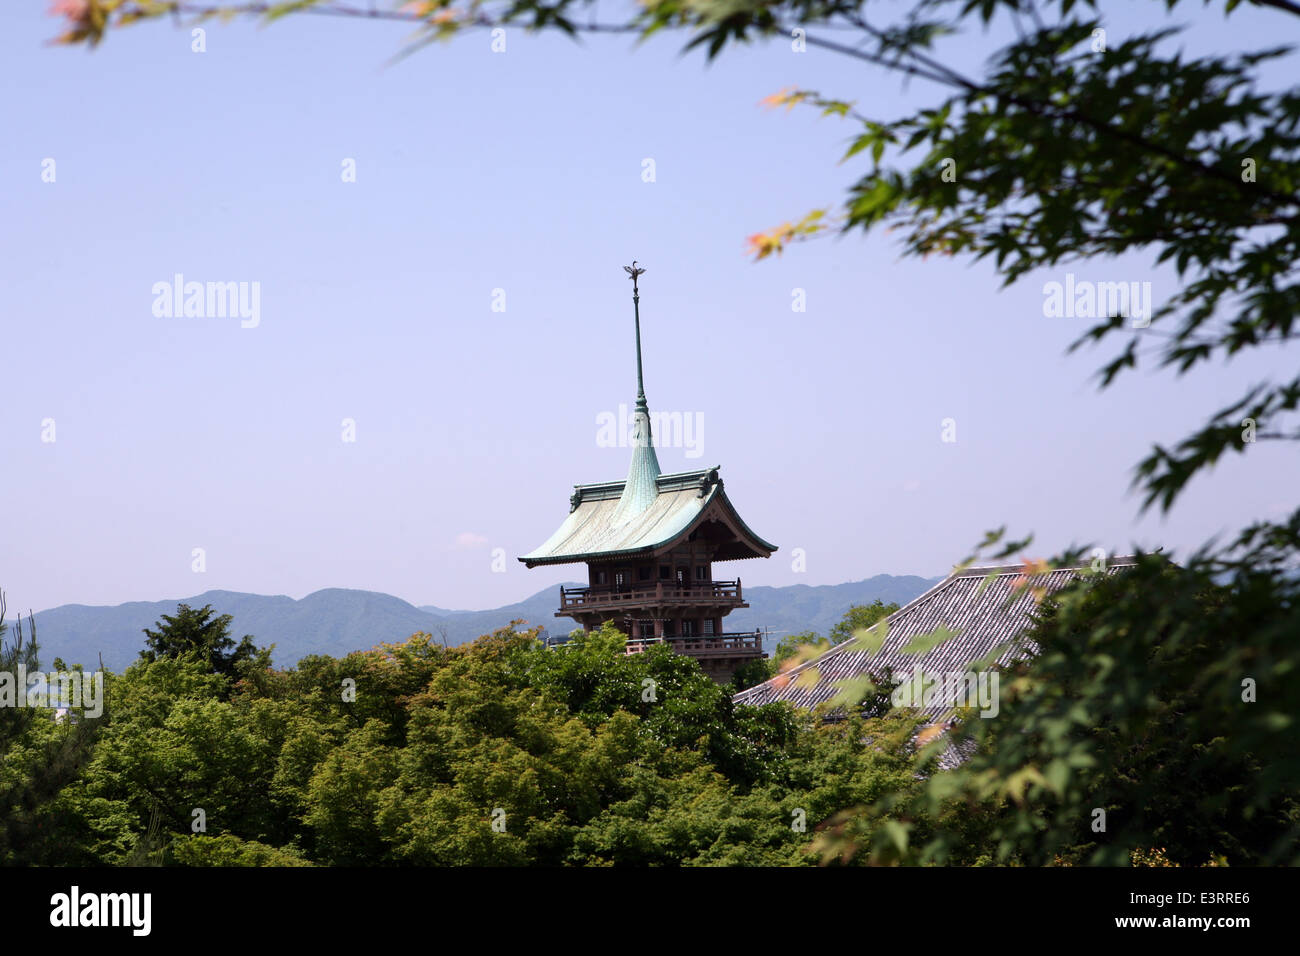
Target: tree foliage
<point x="197" y="633"/>
<point x="41" y="752"/>
<point x="859" y="617"/>
<point x="1145" y="721"/>
<point x="500" y="752"/>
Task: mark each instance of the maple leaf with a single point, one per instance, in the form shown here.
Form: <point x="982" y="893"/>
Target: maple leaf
<point x="787" y="97"/>
<point x="72" y="9"/>
<point x="928" y="734"/>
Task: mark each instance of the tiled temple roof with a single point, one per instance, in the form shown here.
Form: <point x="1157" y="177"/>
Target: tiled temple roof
<point x="600" y="526"/>
<point x="986" y="609"/>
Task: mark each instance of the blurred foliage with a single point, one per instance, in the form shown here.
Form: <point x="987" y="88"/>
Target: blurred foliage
<point x="860" y="617"/>
<point x="795" y="650"/>
<point x="1159" y="711"/>
<point x="796" y="645"/>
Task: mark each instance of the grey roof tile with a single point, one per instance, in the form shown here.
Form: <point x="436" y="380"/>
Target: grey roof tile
<point x="987" y="609"/>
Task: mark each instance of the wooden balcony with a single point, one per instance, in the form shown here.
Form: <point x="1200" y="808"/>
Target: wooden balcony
<point x="741" y="644"/>
<point x="661" y="592"/>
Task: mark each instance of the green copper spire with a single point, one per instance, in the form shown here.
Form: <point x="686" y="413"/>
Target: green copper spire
<point x="634" y="271"/>
<point x="641" y="488"/>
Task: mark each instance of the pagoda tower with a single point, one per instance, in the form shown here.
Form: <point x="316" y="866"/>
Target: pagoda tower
<point x="650" y="543"/>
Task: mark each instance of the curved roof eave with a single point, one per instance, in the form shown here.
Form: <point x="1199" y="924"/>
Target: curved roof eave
<point x="763" y="544"/>
<point x="716" y="495"/>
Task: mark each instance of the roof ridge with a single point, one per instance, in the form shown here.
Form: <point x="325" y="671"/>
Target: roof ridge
<point x="1122" y="560"/>
<point x="617" y="484"/>
<point x="697" y="473"/>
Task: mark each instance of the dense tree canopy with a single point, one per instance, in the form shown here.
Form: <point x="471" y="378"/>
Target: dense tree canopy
<point x="500" y="752"/>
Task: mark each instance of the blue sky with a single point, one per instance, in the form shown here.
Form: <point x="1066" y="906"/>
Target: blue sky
<point x="519" y="171"/>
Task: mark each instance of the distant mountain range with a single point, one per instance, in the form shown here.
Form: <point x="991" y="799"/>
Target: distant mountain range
<point x="337" y="621"/>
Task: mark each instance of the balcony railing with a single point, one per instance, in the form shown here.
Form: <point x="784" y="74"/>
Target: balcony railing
<point x="695" y="592"/>
<point x="742" y="644"/>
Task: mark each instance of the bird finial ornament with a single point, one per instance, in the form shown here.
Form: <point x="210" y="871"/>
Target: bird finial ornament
<point x="632" y="272"/>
